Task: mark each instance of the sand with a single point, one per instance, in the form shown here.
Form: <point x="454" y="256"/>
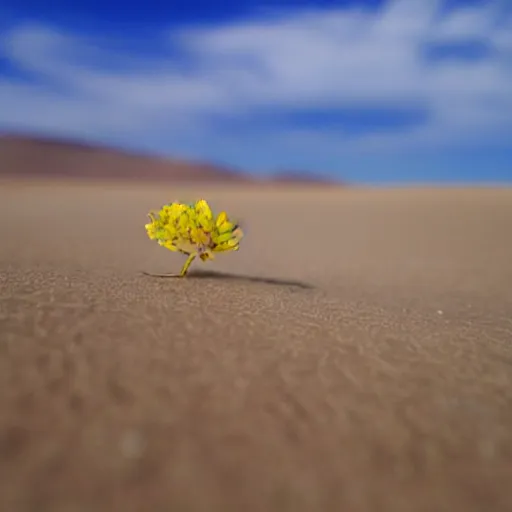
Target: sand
<point x="355" y="354"/>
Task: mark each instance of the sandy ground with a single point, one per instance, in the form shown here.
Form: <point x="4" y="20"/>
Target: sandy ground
<point x="356" y="354"/>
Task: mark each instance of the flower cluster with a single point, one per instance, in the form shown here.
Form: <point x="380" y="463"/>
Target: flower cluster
<point x="192" y="229"/>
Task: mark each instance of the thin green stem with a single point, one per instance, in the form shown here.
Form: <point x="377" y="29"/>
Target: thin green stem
<point x="183" y="272"/>
<point x="187" y="264"/>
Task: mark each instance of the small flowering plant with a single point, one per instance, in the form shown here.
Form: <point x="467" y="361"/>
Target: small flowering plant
<point x="192" y="229"/>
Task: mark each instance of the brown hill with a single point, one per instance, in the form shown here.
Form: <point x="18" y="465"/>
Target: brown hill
<point x="37" y="157"/>
<point x="29" y="157"/>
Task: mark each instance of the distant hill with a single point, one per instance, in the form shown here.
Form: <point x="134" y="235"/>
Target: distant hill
<point x="32" y="157"/>
<point x="29" y="157"/>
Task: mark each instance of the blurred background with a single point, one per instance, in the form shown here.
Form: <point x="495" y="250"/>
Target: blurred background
<point x="379" y="92"/>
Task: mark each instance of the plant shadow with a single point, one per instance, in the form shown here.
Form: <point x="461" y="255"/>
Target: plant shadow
<point x="209" y="274"/>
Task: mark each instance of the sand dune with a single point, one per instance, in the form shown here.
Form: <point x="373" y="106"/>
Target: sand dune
<point x="355" y="354"/>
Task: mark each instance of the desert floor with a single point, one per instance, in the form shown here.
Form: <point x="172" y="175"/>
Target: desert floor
<point x="355" y="354"/>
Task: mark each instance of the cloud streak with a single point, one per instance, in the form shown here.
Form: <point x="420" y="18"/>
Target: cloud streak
<point x="183" y="96"/>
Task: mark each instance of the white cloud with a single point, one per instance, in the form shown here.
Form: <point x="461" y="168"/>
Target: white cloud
<point x="314" y="59"/>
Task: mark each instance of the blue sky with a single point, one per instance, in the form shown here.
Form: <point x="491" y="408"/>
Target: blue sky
<point x="375" y="91"/>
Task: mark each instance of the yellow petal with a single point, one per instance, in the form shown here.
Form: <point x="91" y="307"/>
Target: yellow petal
<point x="229" y="245"/>
<point x="204" y="215"/>
<point x="223" y="237"/>
<point x="203" y="207"/>
<point x="168" y="245"/>
<point x="228" y="239"/>
<point x="221" y="218"/>
<point x="183" y="222"/>
<point x="223" y="224"/>
<point x="150" y="230"/>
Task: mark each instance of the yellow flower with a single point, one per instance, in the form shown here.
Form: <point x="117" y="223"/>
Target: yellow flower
<point x="193" y="230"/>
